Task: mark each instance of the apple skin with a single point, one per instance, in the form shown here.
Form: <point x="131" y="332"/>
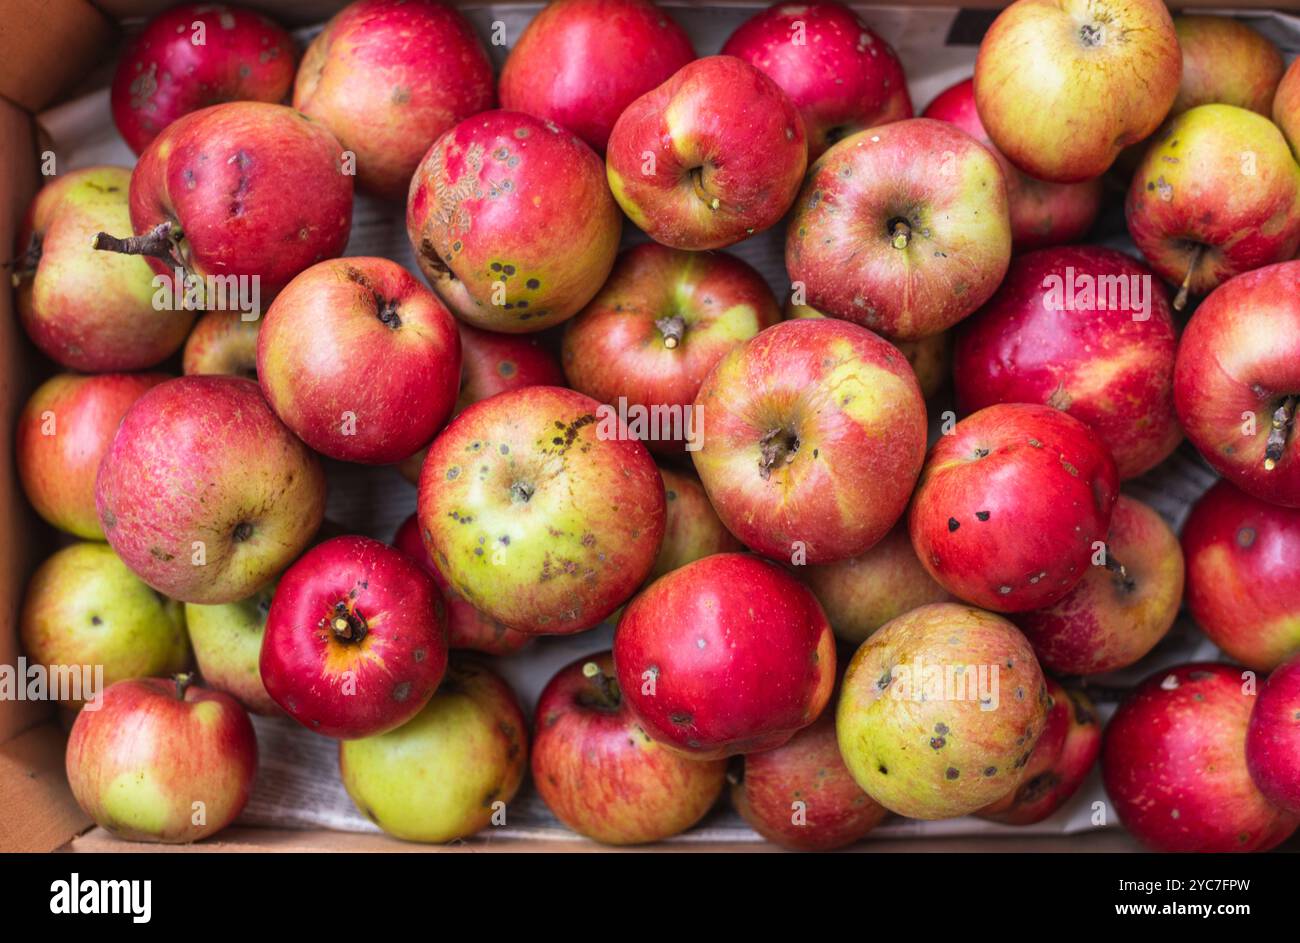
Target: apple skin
<point x="227" y="642"/>
<point x="602" y="775"/>
<point x="1240" y="357"/>
<point x="203" y="463"/>
<point x="84" y="607"/>
<point x="1009" y="505"/>
<point x="1102" y="364"/>
<point x="579" y="63"/>
<point x="81" y="413"/>
<point x="711" y="156"/>
<point x="814" y="433"/>
<point x="727" y="655"/>
<point x="490" y="216"/>
<point x="535" y="516"/>
<point x="223" y="343"/>
<point x="692" y="529"/>
<point x="360" y="337"/>
<point x="1286" y="105"/>
<point x="940" y="757"/>
<point x="902" y="228"/>
<point x="1099" y="74"/>
<point x="1273" y="738"/>
<point x="87" y="310"/>
<point x="438" y="777"/>
<point x="1226" y="61"/>
<point x="843" y="77"/>
<point x="1243" y="566"/>
<point x="139" y="764"/>
<point x="1173" y="761"/>
<point x="659" y="325"/>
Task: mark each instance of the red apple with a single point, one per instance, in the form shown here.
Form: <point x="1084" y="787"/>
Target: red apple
<point x="692" y="529"/>
<point x="222" y="342"/>
<point x="1173" y="761"/>
<point x="709" y="157"/>
<point x="1286" y="105"/>
<point x="814" y="433"/>
<point x="1226" y="61"/>
<point x="227" y="642"/>
<point x="1012" y="505"/>
<point x="1273" y="738"/>
<point x="727" y="655"/>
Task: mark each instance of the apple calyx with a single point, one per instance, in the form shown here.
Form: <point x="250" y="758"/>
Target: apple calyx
<point x="1091" y="34"/>
<point x="521" y="492"/>
<point x="1180" y="299"/>
<point x="778" y="446"/>
<point x="672" y="330"/>
<point x="182" y="681"/>
<point x="347" y="624"/>
<point x="697" y="181"/>
<point x="386" y="311"/>
<point x="605" y="694"/>
<point x="900" y="233"/>
<point x="1283" y="423"/>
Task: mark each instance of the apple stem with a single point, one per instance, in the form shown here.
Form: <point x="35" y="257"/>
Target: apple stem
<point x="24" y="265"/>
<point x="901" y="234"/>
<point x="672" y="329"/>
<point x="160" y="243"/>
<point x="1283" y="420"/>
<point x="1180" y="299"/>
<point x="1122" y="579"/>
<point x="608" y="695"/>
<point x="697" y="181"/>
<point x="182" y="681"/>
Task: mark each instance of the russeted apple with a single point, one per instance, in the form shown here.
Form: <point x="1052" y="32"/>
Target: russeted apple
<point x="222" y="342"/>
<point x="1273" y="738"/>
<point x="227" y="641"/>
<point x="1226" y="61"/>
<point x="692" y="529"/>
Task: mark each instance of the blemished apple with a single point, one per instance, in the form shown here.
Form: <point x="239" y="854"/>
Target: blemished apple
<point x="1173" y="761"/>
<point x="492" y="219"/>
<point x="1226" y="61"/>
<point x="222" y="342"/>
<point x="1012" y="506"/>
<point x="940" y="711"/>
<point x="387" y="77"/>
<point x="652" y="334"/>
<point x="1087" y="330"/>
<point x="62" y="434"/>
<point x="708" y="158"/>
<point x="692" y="529"/>
<point x="1237" y="382"/>
<point x="449" y="772"/>
<point x="1243" y="567"/>
<point x="1273" y="738"/>
<point x="814" y="433"/>
<point x="727" y="655"/>
<point x="227" y="641"/>
<point x="84" y="609"/>
<point x="801" y="795"/>
<point x="579" y="63"/>
<point x="1064" y="85"/>
<point x="836" y="70"/>
<point x="204" y="493"/>
<point x="902" y="228"/>
<point x="89" y="311"/>
<point x="356" y="639"/>
<point x="601" y="774"/>
<point x="162" y="760"/>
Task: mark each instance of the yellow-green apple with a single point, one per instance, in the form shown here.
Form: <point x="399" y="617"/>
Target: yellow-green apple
<point x="204" y="493"/>
<point x="62" y="435"/>
<point x="492" y="218"/>
<point x="1237" y="382"/>
<point x="84" y="608"/>
<point x="89" y="310"/>
<point x="449" y="772"/>
<point x="902" y="228"/>
<point x="579" y="63"/>
<point x="1087" y="330"/>
<point x="729" y="654"/>
<point x="692" y="529"/>
<point x="840" y="75"/>
<point x="709" y="157"/>
<point x="1226" y="61"/>
<point x="223" y="342"/>
<point x="1286" y="105"/>
<point x="1012" y="505"/>
<point x="227" y="641"/>
<point x="540" y="510"/>
<point x="940" y="710"/>
<point x="601" y="774"/>
<point x="162" y="760"/>
<point x="1064" y="85"/>
<point x="1173" y="761"/>
<point x="1243" y="569"/>
<point x="652" y="334"/>
<point x="1273" y="738"/>
<point x="814" y="433"/>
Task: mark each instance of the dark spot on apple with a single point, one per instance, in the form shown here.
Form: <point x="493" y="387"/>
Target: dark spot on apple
<point x="953" y="524"/>
<point x="419" y="655"/>
<point x="981" y="453"/>
<point x="681" y="718"/>
<point x="990" y="770"/>
<point x="533" y="284"/>
<point x="941" y="729"/>
<point x="158" y="553"/>
<point x="401" y="691"/>
<point x="952" y="772"/>
<point x="884" y="680"/>
<point x="1245" y="537"/>
<point x="96" y="620"/>
<point x="982" y="515"/>
<point x="453" y="473"/>
<point x="884" y="770"/>
<point x="937" y="743"/>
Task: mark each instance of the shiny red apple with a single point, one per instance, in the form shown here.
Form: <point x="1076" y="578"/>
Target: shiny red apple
<point x="1273" y="738"/>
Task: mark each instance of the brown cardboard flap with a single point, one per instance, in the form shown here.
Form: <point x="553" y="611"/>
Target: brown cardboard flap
<point x="37" y="811"/>
<point x="46" y="45"/>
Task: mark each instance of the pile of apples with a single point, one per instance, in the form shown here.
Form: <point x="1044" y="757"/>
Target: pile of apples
<point x="831" y="615"/>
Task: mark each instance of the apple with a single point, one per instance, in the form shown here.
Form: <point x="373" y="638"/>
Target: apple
<point x="652" y="334"/>
<point x="227" y="642"/>
<point x="601" y="774"/>
<point x="492" y="218"/>
<point x="222" y="342"/>
<point x="814" y="433"/>
<point x="449" y="772"/>
<point x="1237" y="382"/>
<point x="1173" y="761"/>
<point x="1243" y="567"/>
<point x="692" y="529"/>
<point x="1286" y="105"/>
<point x="204" y="493"/>
<point x="84" y="609"/>
<point x="88" y="310"/>
<point x="902" y="228"/>
<point x="1012" y="506"/>
<point x="1226" y="61"/>
<point x="579" y="63"/>
<point x="1085" y="329"/>
<point x="711" y="156"/>
<point x="1273" y="738"/>
<point x="940" y="711"/>
<point x="1064" y="85"/>
<point x="726" y="655"/>
<point x="540" y="510"/>
<point x="62" y="434"/>
<point x="838" y="72"/>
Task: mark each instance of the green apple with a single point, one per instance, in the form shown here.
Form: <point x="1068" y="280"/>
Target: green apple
<point x="227" y="642"/>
